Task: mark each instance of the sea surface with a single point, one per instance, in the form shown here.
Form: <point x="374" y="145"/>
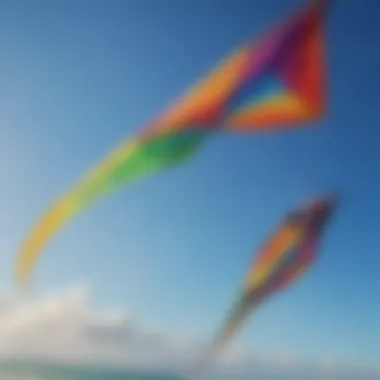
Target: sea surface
<point x="36" y="371"/>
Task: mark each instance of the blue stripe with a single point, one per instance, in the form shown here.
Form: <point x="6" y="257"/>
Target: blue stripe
<point x="257" y="89"/>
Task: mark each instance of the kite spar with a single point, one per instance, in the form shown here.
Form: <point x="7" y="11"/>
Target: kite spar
<point x="274" y="83"/>
<point x="286" y="255"/>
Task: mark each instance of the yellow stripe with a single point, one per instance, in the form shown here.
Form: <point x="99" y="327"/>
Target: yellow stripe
<point x="63" y="210"/>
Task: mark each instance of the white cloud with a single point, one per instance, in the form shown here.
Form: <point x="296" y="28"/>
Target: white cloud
<point x="63" y="327"/>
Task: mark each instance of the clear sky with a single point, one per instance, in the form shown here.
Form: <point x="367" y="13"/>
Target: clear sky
<point x="78" y="76"/>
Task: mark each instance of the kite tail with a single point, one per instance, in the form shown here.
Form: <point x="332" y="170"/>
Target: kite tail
<point x="235" y="323"/>
<point x="128" y="162"/>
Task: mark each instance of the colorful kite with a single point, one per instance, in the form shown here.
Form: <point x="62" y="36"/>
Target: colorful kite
<point x="287" y="254"/>
<point x="275" y="83"/>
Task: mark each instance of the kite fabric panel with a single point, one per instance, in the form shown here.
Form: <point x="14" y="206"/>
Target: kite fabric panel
<point x="283" y="259"/>
<point x="274" y="83"/>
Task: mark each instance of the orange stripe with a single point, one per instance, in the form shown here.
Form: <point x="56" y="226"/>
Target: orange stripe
<point x="274" y="249"/>
<point x="211" y="92"/>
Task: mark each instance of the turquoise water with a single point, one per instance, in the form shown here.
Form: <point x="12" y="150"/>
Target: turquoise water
<point x="33" y="371"/>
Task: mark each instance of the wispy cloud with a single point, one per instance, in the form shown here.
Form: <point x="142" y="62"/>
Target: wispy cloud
<point x="64" y="327"/>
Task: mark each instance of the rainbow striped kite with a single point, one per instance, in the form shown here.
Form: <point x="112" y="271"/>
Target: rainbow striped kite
<point x="274" y="83"/>
<point x="287" y="254"/>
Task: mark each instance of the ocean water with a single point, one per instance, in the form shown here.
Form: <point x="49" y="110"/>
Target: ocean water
<point x="37" y="371"/>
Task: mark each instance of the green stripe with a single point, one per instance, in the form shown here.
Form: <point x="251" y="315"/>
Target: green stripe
<point x="160" y="151"/>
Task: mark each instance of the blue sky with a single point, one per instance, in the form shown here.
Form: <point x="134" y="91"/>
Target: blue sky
<point x="78" y="76"/>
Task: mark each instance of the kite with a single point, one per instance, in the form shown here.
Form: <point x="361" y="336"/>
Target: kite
<point x="275" y="83"/>
<point x="285" y="256"/>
